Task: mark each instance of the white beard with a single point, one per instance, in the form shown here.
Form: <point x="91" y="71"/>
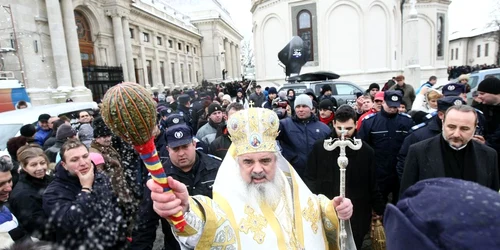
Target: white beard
<point x="268" y="193"/>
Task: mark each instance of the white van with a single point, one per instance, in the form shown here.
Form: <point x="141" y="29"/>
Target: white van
<point x="12" y="121"/>
<point x="477" y="77"/>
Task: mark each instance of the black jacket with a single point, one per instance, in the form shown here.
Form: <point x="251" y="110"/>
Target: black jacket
<point x="322" y="176"/>
<point x="425" y="161"/>
<point x="221" y="143"/>
<point x="52" y="151"/>
<point x="26" y="204"/>
<point x="418" y="133"/>
<point x="199" y="182"/>
<point x="81" y="219"/>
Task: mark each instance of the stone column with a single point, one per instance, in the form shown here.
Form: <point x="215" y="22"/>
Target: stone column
<point x="234" y="61"/>
<point x="73" y="48"/>
<point x="410" y="47"/>
<point x="168" y="71"/>
<point x="238" y="62"/>
<point x="156" y="67"/>
<point x="142" y="59"/>
<point x="121" y="58"/>
<point x="58" y="42"/>
<point x="178" y="78"/>
<point x="128" y="50"/>
<point x="229" y="59"/>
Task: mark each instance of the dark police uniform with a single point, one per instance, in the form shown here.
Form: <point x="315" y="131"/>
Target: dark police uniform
<point x="199" y="181"/>
<point x="385" y="133"/>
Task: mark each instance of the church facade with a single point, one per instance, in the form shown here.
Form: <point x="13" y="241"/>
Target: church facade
<point x="80" y="48"/>
<point x="362" y="41"/>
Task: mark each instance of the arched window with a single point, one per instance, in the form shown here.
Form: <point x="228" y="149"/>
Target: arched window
<point x="305" y="31"/>
<point x="84" y="39"/>
<point x="440" y="36"/>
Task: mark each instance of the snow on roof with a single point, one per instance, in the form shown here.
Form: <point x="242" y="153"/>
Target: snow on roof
<point x="473" y="32"/>
<point x="163" y="6"/>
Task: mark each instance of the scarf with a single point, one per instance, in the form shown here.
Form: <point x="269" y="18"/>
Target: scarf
<point x="327" y="120"/>
<point x="459" y="164"/>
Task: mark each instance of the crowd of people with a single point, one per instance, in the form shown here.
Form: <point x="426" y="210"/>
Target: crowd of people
<point x="80" y="186"/>
<point x="455" y="71"/>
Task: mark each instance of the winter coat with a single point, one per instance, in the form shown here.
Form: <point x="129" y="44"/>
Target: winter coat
<point x="322" y="176"/>
<point x="54" y="150"/>
<point x="221" y="143"/>
<point x="86" y="134"/>
<point x="297" y="138"/>
<point x="257" y="100"/>
<point x="26" y="204"/>
<point x="81" y="219"/>
<point x="42" y="135"/>
<point x="207" y="133"/>
<point x="385" y="133"/>
<point x="49" y="142"/>
<point x="114" y="170"/>
<point x="409" y="93"/>
<point x="144" y="234"/>
<point x="425" y="161"/>
<point x="418" y="133"/>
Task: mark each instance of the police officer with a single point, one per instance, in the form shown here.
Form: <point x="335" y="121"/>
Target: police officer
<point x="187" y="165"/>
<point x="184" y="109"/>
<point x="457" y="89"/>
<point x="172" y="120"/>
<point x="426" y="130"/>
<point x="385" y="131"/>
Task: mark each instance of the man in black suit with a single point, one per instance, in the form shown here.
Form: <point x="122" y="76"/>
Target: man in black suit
<point x="453" y="153"/>
<point x="322" y="175"/>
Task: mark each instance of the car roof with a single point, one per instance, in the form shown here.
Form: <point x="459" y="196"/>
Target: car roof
<point x="30" y="115"/>
<point x="486" y="71"/>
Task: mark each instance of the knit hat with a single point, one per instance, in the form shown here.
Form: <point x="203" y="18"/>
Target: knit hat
<point x="214" y="107"/>
<point x="374" y="86"/>
<point x="490" y="85"/>
<point x="100" y="128"/>
<point x="326" y="104"/>
<point x="227" y="97"/>
<point x="303" y="100"/>
<point x="64" y="131"/>
<point x="28" y="130"/>
<point x="44" y="118"/>
<point x="272" y="90"/>
<point x="86" y="134"/>
<point x="96" y="158"/>
<point x="325" y="88"/>
<point x="444" y="213"/>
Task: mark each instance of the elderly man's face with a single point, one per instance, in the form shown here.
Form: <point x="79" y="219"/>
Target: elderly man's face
<point x="257" y="168"/>
<point x="459" y="127"/>
<point x="104" y="140"/>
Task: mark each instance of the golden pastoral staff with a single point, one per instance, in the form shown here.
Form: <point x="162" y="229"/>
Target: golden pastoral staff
<point x="259" y="201"/>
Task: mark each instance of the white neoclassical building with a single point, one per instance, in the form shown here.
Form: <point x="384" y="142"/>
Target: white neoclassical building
<point x="474" y="47"/>
<point x="80" y="48"/>
<point x="221" y="40"/>
<point x="363" y="41"/>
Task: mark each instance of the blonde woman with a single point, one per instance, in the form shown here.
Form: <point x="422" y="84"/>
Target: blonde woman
<point x="26" y="198"/>
<point x="427" y="101"/>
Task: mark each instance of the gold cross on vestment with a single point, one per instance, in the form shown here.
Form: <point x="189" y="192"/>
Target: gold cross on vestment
<point x="251" y="103"/>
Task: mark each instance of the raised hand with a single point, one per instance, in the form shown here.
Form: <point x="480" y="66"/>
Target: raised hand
<point x="169" y="203"/>
<point x="343" y="206"/>
<point x="86" y="179"/>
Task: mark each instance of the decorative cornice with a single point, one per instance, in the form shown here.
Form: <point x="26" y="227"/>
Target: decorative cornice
<point x="157" y="20"/>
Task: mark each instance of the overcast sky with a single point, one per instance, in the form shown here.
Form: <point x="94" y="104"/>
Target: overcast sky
<point x="463" y="15"/>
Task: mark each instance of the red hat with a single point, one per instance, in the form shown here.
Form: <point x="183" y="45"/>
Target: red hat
<point x="379" y="96"/>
